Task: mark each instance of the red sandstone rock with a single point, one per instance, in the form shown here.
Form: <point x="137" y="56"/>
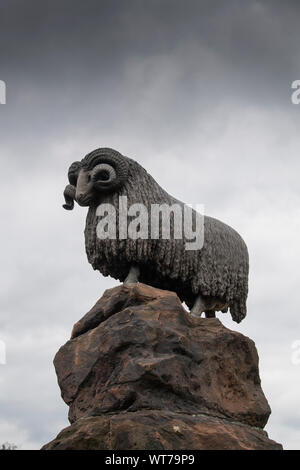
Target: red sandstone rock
<point x="139" y="356"/>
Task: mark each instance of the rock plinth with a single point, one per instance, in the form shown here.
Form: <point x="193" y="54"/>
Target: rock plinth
<point x="141" y="373"/>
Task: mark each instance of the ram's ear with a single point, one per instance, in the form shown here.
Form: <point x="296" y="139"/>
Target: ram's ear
<point x="69" y="195"/>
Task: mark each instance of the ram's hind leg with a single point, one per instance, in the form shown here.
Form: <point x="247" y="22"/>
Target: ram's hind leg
<point x="133" y="275"/>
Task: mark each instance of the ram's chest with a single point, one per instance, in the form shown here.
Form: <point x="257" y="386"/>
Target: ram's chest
<point x="99" y="248"/>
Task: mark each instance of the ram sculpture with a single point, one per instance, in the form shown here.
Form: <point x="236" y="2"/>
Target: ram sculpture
<point x="208" y="279"/>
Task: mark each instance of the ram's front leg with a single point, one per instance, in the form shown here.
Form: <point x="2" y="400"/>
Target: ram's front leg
<point x="133" y="275"/>
<point x="199" y="307"/>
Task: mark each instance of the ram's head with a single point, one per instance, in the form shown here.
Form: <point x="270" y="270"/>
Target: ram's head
<point x="101" y="171"/>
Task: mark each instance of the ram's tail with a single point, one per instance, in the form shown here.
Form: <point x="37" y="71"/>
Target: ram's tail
<point x="238" y="310"/>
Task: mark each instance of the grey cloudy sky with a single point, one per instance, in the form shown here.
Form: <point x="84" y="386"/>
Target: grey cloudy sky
<point x="199" y="92"/>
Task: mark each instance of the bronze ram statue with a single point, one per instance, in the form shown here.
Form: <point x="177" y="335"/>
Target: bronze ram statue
<point x="212" y="278"/>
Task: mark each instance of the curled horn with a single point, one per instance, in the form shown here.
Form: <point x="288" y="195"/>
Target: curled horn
<point x="69" y="195"/>
<point x="113" y="158"/>
<point x="70" y="189"/>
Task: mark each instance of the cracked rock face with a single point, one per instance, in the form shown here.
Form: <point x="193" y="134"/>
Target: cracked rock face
<point x="140" y="362"/>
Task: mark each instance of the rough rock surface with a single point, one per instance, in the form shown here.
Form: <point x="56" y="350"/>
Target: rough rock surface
<point x="160" y="430"/>
<point x="140" y="373"/>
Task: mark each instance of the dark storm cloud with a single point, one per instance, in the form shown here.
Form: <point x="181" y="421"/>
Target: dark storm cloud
<point x="69" y="48"/>
<point x="253" y="33"/>
<point x="119" y="65"/>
